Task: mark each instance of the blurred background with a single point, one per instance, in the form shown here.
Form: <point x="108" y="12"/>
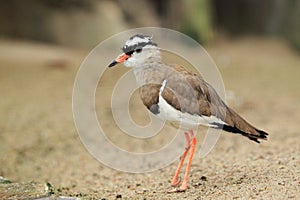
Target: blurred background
<point x="254" y="43"/>
<point x="84" y="23"/>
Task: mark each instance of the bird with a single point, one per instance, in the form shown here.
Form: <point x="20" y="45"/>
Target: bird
<point x="175" y="94"/>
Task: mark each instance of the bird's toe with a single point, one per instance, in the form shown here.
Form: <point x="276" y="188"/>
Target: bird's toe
<point x="175" y="182"/>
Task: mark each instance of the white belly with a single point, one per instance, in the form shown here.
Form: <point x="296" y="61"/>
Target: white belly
<point x="169" y="113"/>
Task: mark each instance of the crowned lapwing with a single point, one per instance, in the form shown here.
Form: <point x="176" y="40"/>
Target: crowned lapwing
<point x="175" y="94"/>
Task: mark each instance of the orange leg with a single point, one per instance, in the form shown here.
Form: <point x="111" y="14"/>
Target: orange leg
<point x="176" y="181"/>
<point x="184" y="186"/>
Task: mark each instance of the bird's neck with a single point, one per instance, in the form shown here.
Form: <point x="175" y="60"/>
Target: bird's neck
<point x="150" y="72"/>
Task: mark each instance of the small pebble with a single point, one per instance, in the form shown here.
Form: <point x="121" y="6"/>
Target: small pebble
<point x="203" y="178"/>
<point x="197" y="184"/>
<point x="281" y="183"/>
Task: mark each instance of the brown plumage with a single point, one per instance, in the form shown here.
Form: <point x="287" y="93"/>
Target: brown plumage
<point x="197" y="97"/>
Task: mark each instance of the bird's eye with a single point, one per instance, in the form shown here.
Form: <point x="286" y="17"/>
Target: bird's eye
<point x="138" y="50"/>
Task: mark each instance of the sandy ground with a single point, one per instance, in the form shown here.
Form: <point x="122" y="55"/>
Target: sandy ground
<point x="39" y="142"/>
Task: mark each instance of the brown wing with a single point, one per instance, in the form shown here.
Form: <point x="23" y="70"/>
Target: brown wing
<point x="149" y="94"/>
<point x="188" y="92"/>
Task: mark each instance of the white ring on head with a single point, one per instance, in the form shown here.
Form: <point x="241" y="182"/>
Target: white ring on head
<point x="136" y="40"/>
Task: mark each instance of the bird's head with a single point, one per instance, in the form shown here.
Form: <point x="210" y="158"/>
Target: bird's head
<point x="136" y="51"/>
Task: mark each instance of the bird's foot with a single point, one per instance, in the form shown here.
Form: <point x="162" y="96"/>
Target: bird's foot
<point x="175" y="182"/>
<point x="183" y="187"/>
<point x="177" y="190"/>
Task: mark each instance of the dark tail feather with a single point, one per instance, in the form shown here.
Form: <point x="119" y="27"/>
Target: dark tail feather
<point x="261" y="134"/>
